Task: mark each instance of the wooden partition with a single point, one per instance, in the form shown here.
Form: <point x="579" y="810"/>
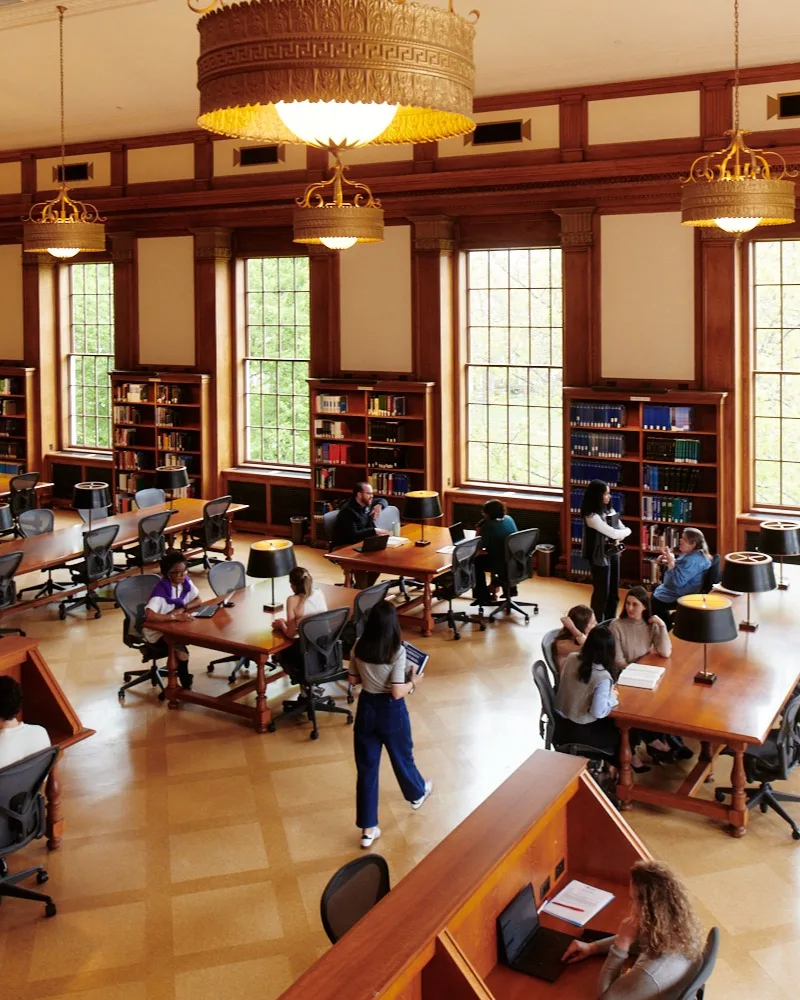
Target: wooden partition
<point x="434" y="936"/>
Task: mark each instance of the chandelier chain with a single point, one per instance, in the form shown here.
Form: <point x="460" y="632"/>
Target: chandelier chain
<point x="736" y="65"/>
<point x="61" y="11"/>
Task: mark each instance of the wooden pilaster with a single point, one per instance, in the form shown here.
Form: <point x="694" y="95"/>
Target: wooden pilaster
<point x="39" y="318"/>
<point x="324" y="309"/>
<point x="126" y="303"/>
<point x="581" y="305"/>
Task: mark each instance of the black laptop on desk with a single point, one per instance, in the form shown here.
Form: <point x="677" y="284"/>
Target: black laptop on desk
<point x="373" y="543"/>
<point x="524" y="945"/>
<point x="457" y="532"/>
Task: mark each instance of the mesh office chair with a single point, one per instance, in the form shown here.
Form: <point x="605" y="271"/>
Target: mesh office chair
<point x="8" y="589"/>
<point x="23" y="818"/>
<point x="97" y="565"/>
<point x="712" y="575"/>
<point x="365" y="601"/>
<point x="351" y="893"/>
<point x="23" y="496"/>
<point x="213" y="529"/>
<point x="547" y="719"/>
<point x="150" y="497"/>
<point x="774" y="760"/>
<point x="321" y="649"/>
<point x="549" y="654"/>
<point x="456" y="583"/>
<point x="133" y="593"/>
<point x="389" y="520"/>
<point x="152" y="543"/>
<point x="696" y="990"/>
<point x="223" y="577"/>
<point x="39" y="522"/>
<point x="328" y="523"/>
<point x="519" y="548"/>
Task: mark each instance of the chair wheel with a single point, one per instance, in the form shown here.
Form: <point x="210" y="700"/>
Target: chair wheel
<point x="763" y="807"/>
<point x="210" y="668"/>
<point x="41" y="878"/>
<point x="270" y="727"/>
<point x="456" y="635"/>
<point x="350" y="699"/>
<point x="97" y="614"/>
<point x="314" y="734"/>
<point x="527" y="619"/>
<point x="62" y="614"/>
<point x="536" y="611"/>
<point x="349" y="720"/>
<point x="50" y="910"/>
<point x="719" y="795"/>
<point x="126" y="677"/>
<point x="483" y="627"/>
<point x="795" y="834"/>
<point x="161" y="696"/>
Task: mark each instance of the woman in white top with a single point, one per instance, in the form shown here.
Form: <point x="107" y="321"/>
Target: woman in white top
<point x="302" y="602"/>
<point x="603" y="533"/>
<point x="173" y="597"/>
<point x="17" y="739"/>
<point x="378" y="663"/>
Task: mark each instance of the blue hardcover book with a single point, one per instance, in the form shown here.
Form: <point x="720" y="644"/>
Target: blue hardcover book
<point x="415" y="657"/>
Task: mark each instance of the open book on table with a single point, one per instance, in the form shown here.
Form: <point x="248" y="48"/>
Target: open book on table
<point x="641" y="675"/>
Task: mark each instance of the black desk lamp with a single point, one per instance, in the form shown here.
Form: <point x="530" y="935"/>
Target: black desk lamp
<point x="751" y="573"/>
<point x="268" y="559"/>
<point x="780" y="538"/>
<point x="704" y="618"/>
<point x="170" y="478"/>
<point x="422" y="505"/>
<point x="91" y="496"/>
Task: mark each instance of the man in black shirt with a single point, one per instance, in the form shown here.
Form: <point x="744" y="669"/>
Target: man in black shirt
<point x="355" y="522"/>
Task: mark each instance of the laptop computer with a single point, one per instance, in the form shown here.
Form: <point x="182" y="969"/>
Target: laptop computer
<point x="373" y="543"/>
<point x="457" y="532"/>
<point x="524" y="945"/>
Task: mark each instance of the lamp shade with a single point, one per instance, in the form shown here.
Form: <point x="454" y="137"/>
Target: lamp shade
<point x="270" y="558"/>
<point x="704" y="618"/>
<point x="422" y="505"/>
<point x="91" y="496"/>
<point x="171" y="477"/>
<point x="6" y="520"/>
<point x="748" y="572"/>
<point x="779" y="538"/>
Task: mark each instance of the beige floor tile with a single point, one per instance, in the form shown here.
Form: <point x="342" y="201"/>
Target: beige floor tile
<point x="123" y="991"/>
<point x="219" y="851"/>
<point x="315" y="783"/>
<point x="312" y="836"/>
<point x="193" y="756"/>
<point x="738" y="977"/>
<point x="115" y="811"/>
<point x="89" y="940"/>
<point x="225" y="918"/>
<point x="90" y="868"/>
<point x="260" y="979"/>
<point x="781" y="963"/>
<point x="745" y="897"/>
<point x="192" y="801"/>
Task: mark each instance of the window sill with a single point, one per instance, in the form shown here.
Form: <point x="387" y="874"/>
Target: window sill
<point x="268" y="472"/>
<point x="86" y="456"/>
<point x="769" y="514"/>
<point x="494" y="491"/>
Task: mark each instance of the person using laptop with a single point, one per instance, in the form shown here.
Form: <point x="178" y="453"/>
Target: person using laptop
<point x="661" y="929"/>
<point x="355" y="522"/>
<point x="303" y="601"/>
<point x="172" y="599"/>
<point x="491" y="558"/>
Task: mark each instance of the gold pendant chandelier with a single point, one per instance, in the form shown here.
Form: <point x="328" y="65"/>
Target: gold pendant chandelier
<point x="62" y="226"/>
<point x="325" y="216"/>
<point x="338" y="73"/>
<point x="738" y="189"/>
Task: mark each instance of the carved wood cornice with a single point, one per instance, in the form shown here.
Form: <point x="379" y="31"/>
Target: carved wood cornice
<point x="576" y="227"/>
<point x="123" y="247"/>
<point x="212" y="244"/>
<point x="433" y="233"/>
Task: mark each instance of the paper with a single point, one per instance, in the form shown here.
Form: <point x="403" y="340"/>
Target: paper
<point x="395" y="540"/>
<point x="725" y="590"/>
<point x="446" y="549"/>
<point x="641" y="675"/>
<point x="577" y="903"/>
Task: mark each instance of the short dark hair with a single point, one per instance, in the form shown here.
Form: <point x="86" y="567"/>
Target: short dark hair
<point x="494" y="509"/>
<point x="599" y="649"/>
<point x="10" y="698"/>
<point x="170" y="561"/>
<point x="360" y="487"/>
<point x="381" y="638"/>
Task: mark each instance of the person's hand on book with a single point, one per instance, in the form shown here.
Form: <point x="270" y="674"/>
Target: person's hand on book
<point x="577" y="951"/>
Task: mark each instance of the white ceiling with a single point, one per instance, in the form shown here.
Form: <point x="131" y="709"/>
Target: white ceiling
<point x="130" y="64"/>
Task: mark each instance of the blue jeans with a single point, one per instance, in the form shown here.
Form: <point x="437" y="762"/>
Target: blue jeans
<point x="382" y="721"/>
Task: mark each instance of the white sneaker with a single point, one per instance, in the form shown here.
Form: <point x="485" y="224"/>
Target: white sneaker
<point x="367" y="839"/>
<point x="428" y="790"/>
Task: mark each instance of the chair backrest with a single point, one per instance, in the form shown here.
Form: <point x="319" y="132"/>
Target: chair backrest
<point x="320" y="644"/>
<point x="151" y="497"/>
<point x="788" y="739"/>
<point x="132" y="595"/>
<point x="328" y="524"/>
<point x="22" y="805"/>
<point x="96" y="514"/>
<point x="696" y="989"/>
<point x="152" y="540"/>
<point x="519" y="554"/>
<point x="547" y="718"/>
<point x="365" y="602"/>
<point x="214" y="526"/>
<point x="389" y="519"/>
<point x="8" y="588"/>
<point x="712" y="575"/>
<point x="38" y="521"/>
<point x="98" y="559"/>
<point x="549" y="654"/>
<point x="462" y="565"/>
<point x="23" y="495"/>
<point x="352" y="892"/>
<point x="223" y="577"/>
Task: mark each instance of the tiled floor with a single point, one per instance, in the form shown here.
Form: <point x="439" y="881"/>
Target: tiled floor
<point x="196" y="851"/>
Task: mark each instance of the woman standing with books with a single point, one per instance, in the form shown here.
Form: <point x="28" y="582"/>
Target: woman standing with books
<point x="602" y="544"/>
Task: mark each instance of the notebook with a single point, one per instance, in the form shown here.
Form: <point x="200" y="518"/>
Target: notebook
<point x="577" y="903"/>
<point x="524" y="945"/>
<point x="415" y="657"/>
<point x="641" y="675"/>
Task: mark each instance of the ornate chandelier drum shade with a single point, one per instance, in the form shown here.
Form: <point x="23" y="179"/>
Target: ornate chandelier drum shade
<point x="324" y="216"/>
<point x="335" y="73"/>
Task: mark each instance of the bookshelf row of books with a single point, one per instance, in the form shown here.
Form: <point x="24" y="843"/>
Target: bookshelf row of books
<point x="585" y="472"/>
<point x="576" y="530"/>
<point x="12" y="468"/>
<point x="143" y="392"/>
<point x="129" y="415"/>
<point x="389" y="431"/>
<point x="666" y="477"/>
<point x="128" y="482"/>
<point x="11" y="428"/>
<point x="177" y="459"/>
<point x="576" y="499"/>
<point x="597" y="414"/>
<point x="676" y="509"/>
<point x="12" y="449"/>
<point x="331" y="428"/>
<point x="684" y="451"/>
<point x="167" y="417"/>
<point x="177" y="441"/>
<point x="336" y="454"/>
<point x="651" y="570"/>
<point x="132" y="392"/>
<point x="132" y="460"/>
<point x="390" y="483"/>
<point x="323" y="507"/>
<point x="668" y="418"/>
<point x="327" y="403"/>
<point x="599" y="445"/>
<point x="325" y="478"/>
<point x="10" y="387"/>
<point x="11" y="407"/>
<point x="578" y="566"/>
<point x="386" y="405"/>
<point x="124" y="436"/>
<point x="387" y="458"/>
<point x="656" y="535"/>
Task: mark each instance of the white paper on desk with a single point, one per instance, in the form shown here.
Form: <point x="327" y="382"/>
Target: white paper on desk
<point x="641" y="675"/>
<point x="726" y="590"/>
<point x="587" y="900"/>
<point x="395" y="540"/>
<point x="447" y="549"/>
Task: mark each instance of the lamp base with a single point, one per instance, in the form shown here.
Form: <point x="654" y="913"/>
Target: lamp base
<point x="782" y="586"/>
<point x="703" y="677"/>
<point x="272" y="608"/>
<point x="422" y="541"/>
<point x="748" y="626"/>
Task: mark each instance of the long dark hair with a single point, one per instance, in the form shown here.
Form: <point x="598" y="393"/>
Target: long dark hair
<point x="599" y="648"/>
<point x="592" y="502"/>
<point x="580" y="617"/>
<point x="642" y="597"/>
<point x="380" y="639"/>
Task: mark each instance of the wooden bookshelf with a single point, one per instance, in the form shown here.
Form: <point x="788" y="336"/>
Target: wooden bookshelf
<point x="631" y="441"/>
<point x="379" y="432"/>
<point x="17" y="441"/>
<point x="159" y="419"/>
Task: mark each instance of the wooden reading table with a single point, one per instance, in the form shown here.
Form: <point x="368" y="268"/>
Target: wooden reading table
<point x="434" y="936"/>
<point x="408" y="560"/>
<point x="44" y="704"/>
<point x="756" y="673"/>
<point x="242" y="630"/>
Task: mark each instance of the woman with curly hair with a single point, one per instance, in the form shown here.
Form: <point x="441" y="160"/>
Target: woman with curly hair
<point x="661" y="929"/>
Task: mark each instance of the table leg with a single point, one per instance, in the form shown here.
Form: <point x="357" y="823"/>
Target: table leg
<point x="263" y="714"/>
<point x="172" y="679"/>
<point x="706" y="756"/>
<point x="626" y="773"/>
<point x="228" y="538"/>
<point x="55" y="821"/>
<point x="737" y="814"/>
<point x="348" y="578"/>
<point x="427" y="616"/>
